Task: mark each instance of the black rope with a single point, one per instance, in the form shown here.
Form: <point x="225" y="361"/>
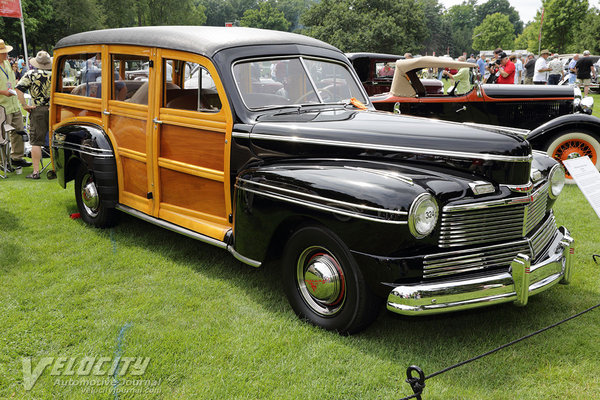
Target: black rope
<point x="596" y="257"/>
<point x="418" y="383"/>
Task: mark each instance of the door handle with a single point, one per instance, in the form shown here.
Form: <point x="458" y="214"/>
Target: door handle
<point x="463" y="108"/>
<point x="106" y="112"/>
<point x="157" y="121"/>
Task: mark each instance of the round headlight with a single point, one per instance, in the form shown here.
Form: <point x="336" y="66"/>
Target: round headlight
<point x="557" y="181"/>
<point x="423" y="215"/>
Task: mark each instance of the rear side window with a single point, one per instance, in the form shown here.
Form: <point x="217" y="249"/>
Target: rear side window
<point x="81" y="75"/>
<point x="189" y="86"/>
<point x="130" y="78"/>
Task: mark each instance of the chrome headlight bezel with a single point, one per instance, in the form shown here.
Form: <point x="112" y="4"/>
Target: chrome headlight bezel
<point x="577" y="98"/>
<point x="587" y="104"/>
<point x="423" y="215"/>
<point x="556" y="180"/>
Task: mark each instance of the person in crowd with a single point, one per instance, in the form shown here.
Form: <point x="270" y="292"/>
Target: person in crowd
<point x="572" y="70"/>
<point x="37" y="82"/>
<point x="461" y="79"/>
<point x="408" y="56"/>
<point x="518" y="68"/>
<point x="386" y="70"/>
<point x="21" y="63"/>
<point x="481" y="64"/>
<point x="556" y="70"/>
<point x="506" y="70"/>
<point x="540" y="77"/>
<point x="529" y="69"/>
<point x="471" y="59"/>
<point x="8" y="99"/>
<point x="15" y="68"/>
<point x="585" y="71"/>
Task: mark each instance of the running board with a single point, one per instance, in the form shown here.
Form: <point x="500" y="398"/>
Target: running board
<point x="187" y="232"/>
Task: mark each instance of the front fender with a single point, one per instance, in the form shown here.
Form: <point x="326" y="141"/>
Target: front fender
<point x="365" y="203"/>
<point x="540" y="136"/>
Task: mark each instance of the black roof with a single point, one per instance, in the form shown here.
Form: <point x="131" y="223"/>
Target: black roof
<point x="205" y="40"/>
<point x="383" y="56"/>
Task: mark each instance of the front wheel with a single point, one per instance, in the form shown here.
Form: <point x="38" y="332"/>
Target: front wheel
<point x="573" y="144"/>
<point x="89" y="201"/>
<point x="324" y="284"/>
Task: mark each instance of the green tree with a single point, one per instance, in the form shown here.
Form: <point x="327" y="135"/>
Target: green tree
<point x="496" y="30"/>
<point x="461" y="19"/>
<point x="266" y="17"/>
<point x="389" y="26"/>
<point x="500" y="6"/>
<point x="561" y="19"/>
<point x="589" y="33"/>
<point x="436" y="39"/>
<point x="528" y="39"/>
<point x="184" y="12"/>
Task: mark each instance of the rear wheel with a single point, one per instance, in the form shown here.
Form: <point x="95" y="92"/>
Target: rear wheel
<point x="573" y="144"/>
<point x="324" y="284"/>
<point x="89" y="201"/>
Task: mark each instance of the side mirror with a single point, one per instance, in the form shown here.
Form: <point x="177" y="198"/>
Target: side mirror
<point x="397" y="108"/>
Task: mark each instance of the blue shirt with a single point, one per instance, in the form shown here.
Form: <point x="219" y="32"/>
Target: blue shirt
<point x="481" y="65"/>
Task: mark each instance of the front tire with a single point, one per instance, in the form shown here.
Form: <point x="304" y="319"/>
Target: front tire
<point x="572" y="144"/>
<point x="324" y="284"/>
<point x="89" y="201"/>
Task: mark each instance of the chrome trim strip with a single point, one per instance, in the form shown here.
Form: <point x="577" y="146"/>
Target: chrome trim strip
<point x="387" y="174"/>
<point x="320" y="207"/>
<point x="325" y="199"/>
<point x="401" y="149"/>
<point x="521" y="132"/>
<point x="103" y="153"/>
<point x="461" y="294"/>
<point x="242" y="258"/>
<point x="172" y="227"/>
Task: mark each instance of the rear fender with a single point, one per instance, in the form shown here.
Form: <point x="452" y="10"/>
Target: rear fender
<point x="86" y="144"/>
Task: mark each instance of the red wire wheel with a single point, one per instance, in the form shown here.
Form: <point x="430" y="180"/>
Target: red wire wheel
<point x="574" y="144"/>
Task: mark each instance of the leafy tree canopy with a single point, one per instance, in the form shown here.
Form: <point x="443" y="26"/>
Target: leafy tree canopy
<point x="496" y="30"/>
<point x="266" y="17"/>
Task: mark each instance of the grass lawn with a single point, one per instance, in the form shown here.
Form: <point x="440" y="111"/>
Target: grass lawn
<point x="216" y="329"/>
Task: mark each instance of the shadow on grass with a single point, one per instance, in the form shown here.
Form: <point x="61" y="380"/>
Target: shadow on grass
<point x="10" y="253"/>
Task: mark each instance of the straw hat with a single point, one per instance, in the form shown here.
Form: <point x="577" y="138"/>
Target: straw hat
<point x="42" y="60"/>
<point x="4" y="48"/>
<point x="545" y="51"/>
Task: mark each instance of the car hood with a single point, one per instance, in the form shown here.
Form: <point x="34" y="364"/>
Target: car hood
<point x="528" y="91"/>
<point x="499" y="155"/>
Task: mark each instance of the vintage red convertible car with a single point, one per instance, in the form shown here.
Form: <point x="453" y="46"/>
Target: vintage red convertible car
<point x="553" y="118"/>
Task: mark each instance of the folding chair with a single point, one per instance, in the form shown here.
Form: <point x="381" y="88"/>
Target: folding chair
<point x="4" y="144"/>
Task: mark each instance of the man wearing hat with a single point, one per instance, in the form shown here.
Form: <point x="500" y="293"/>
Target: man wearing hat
<point x="8" y="99"/>
<point x="37" y="82"/>
<point x="506" y="70"/>
<point x="540" y="77"/>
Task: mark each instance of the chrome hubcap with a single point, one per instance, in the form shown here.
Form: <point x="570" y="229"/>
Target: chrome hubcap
<point x="89" y="195"/>
<point x="321" y="281"/>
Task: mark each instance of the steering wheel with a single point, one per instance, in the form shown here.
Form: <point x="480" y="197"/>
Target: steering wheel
<point x="324" y="93"/>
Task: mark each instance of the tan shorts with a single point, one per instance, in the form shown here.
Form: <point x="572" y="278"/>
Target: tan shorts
<point x="39" y="125"/>
<point x="584" y="82"/>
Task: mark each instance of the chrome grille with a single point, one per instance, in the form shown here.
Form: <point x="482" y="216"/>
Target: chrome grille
<point x="535" y="211"/>
<point x="479" y="259"/>
<point x="542" y="237"/>
<point x="489" y="257"/>
<point x="481" y="223"/>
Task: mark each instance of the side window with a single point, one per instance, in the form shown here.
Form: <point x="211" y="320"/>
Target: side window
<point x="130" y="78"/>
<point x="81" y="75"/>
<point x="385" y="70"/>
<point x="189" y="86"/>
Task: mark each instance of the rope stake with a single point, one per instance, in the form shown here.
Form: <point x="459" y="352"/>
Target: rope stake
<point x="418" y="383"/>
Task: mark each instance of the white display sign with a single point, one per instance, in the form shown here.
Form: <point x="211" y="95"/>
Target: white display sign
<point x="587" y="178"/>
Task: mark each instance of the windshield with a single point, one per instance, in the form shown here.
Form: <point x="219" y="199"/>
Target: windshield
<point x="294" y="81"/>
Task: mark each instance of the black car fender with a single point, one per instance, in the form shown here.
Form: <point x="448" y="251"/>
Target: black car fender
<point x="541" y="136"/>
<point x="366" y="204"/>
<point x="79" y="144"/>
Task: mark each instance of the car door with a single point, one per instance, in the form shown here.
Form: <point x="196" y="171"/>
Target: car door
<point x="191" y="131"/>
<point x="127" y="117"/>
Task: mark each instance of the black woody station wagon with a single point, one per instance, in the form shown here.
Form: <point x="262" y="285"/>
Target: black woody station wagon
<point x="265" y="144"/>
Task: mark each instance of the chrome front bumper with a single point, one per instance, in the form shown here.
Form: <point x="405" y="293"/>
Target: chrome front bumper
<point x="521" y="281"/>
